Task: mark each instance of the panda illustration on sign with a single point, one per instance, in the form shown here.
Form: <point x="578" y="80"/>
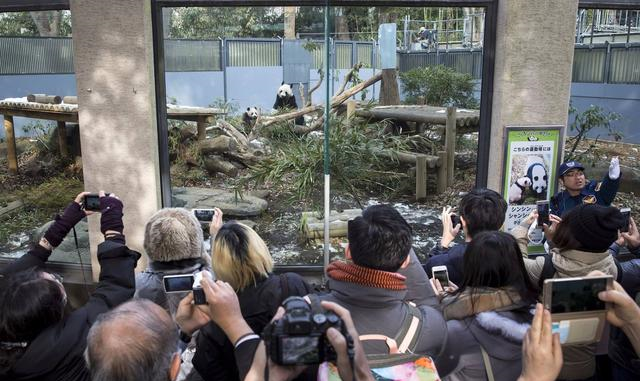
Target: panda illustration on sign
<point x="517" y="190"/>
<point x="286" y="100"/>
<point x="537" y="173"/>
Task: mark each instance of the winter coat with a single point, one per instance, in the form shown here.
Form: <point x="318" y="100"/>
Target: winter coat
<point x="499" y="330"/>
<point x="214" y="359"/>
<point x="579" y="359"/>
<point x="452" y="258"/>
<point x="381" y="311"/>
<point x="58" y="352"/>
<point x="149" y="283"/>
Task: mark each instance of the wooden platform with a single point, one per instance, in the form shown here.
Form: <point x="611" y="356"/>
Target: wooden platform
<point x="63" y="113"/>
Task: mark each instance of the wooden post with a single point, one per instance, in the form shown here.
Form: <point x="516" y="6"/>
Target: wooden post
<point x="442" y="172"/>
<point x="450" y="142"/>
<point x="12" y="157"/>
<point x="202" y="127"/>
<point x="62" y="139"/>
<point x="389" y="94"/>
<point x="421" y="177"/>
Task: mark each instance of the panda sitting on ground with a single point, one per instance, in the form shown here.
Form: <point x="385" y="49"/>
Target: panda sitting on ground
<point x="286" y="100"/>
<point x="249" y="118"/>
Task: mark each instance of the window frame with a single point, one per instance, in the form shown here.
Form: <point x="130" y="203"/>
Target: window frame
<point x="486" y="90"/>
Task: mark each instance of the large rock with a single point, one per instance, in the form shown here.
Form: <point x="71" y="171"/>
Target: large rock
<point x="247" y="206"/>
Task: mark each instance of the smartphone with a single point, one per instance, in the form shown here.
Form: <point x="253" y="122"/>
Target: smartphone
<point x="91" y="202"/>
<point x="204" y="215"/>
<point x="543" y="212"/>
<point x="455" y="220"/>
<point x="441" y="274"/>
<point x="626" y="213"/>
<point x="178" y="283"/>
<point x="571" y="295"/>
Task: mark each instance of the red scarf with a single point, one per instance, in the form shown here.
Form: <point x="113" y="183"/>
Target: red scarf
<point x="352" y="273"/>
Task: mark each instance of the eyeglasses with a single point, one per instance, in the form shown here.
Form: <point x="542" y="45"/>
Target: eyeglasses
<point x="574" y="174"/>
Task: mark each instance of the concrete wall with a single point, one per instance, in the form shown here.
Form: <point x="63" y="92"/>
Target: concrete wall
<point x="195" y="88"/>
<point x="623" y="99"/>
<point x="532" y="85"/>
<point x="113" y="59"/>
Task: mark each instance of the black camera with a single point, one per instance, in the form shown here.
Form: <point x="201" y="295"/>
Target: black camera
<point x="91" y="202"/>
<point x="299" y="337"/>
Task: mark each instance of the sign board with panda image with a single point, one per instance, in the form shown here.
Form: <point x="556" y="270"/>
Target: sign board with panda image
<point x="532" y="157"/>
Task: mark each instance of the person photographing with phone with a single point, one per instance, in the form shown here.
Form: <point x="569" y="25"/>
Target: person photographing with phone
<point x="578" y="190"/>
<point x="37" y="340"/>
<point x="174" y="242"/>
<point x="582" y="239"/>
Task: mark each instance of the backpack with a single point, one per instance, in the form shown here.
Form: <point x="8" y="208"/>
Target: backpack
<point x="548" y="271"/>
<point x="401" y="363"/>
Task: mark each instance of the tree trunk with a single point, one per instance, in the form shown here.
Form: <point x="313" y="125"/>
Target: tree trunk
<point x="215" y="164"/>
<point x="47" y="22"/>
<point x="219" y="144"/>
<point x="386" y="16"/>
<point x="290" y="22"/>
<point x="342" y="24"/>
<point x="389" y="94"/>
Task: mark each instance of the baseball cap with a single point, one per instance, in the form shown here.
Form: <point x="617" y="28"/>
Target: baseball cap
<point x="569" y="165"/>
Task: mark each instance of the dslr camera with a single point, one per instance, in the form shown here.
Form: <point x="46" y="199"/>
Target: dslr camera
<point x="299" y="337"/>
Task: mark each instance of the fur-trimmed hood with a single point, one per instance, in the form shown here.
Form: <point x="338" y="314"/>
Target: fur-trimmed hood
<point x="174" y="234"/>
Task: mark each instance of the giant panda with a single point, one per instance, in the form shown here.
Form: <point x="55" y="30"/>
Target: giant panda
<point x="286" y="100"/>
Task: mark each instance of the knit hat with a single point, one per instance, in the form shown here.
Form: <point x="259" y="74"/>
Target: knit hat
<point x="173" y="234"/>
<point x="596" y="226"/>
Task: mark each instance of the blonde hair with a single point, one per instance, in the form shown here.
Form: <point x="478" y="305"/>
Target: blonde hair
<point x="240" y="257"/>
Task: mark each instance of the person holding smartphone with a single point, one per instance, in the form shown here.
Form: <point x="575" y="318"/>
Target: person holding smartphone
<point x="487" y="316"/>
<point x="37" y="339"/>
<point x="479" y="210"/>
<point x="582" y="239"/>
<point x="579" y="190"/>
<point x="174" y="242"/>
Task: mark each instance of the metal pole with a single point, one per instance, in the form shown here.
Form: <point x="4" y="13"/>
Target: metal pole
<point x="327" y="109"/>
<point x="628" y="28"/>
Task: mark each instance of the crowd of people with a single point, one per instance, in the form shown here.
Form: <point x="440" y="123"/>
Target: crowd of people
<point x="382" y="314"/>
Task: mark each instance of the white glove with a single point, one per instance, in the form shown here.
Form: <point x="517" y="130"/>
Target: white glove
<point x="614" y="168"/>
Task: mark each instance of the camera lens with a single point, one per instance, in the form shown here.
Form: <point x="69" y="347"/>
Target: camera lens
<point x="319" y="319"/>
<point x="333" y="319"/>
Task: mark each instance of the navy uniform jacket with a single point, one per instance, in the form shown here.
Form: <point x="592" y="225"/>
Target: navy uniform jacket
<point x="593" y="193"/>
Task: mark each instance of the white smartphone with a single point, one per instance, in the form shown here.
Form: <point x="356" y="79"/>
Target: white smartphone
<point x="178" y="283"/>
<point x="441" y="274"/>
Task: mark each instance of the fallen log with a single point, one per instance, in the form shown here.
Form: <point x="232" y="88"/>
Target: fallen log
<point x="341" y="98"/>
<point x="233" y="132"/>
<point x="70" y="100"/>
<point x="215" y="164"/>
<point x="269" y="120"/>
<point x="44" y="98"/>
<point x="218" y="144"/>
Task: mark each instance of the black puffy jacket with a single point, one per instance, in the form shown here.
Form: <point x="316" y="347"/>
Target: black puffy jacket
<point x="58" y="352"/>
<point x="214" y="359"/>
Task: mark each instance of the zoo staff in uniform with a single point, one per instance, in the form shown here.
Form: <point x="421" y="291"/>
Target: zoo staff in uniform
<point x="577" y="190"/>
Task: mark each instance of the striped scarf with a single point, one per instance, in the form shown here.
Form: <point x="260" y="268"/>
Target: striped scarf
<point x="352" y="273"/>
